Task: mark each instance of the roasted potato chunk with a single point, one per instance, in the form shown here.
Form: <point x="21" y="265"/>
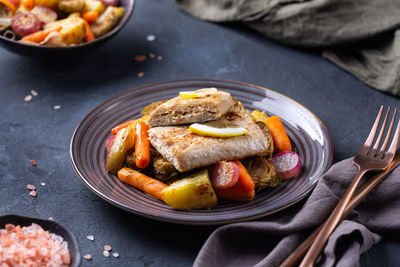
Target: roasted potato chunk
<point x="70" y="6"/>
<point x="107" y="20"/>
<point x="73" y="29"/>
<point x="193" y="192"/>
<point x="94" y="5"/>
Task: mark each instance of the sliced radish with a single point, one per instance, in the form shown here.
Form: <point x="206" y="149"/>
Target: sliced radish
<point x="224" y="175"/>
<point x="110" y="142"/>
<point x="287" y="164"/>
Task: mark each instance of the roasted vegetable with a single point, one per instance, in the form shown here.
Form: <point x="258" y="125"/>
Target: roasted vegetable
<point x="107" y="3"/>
<point x="235" y="193"/>
<point x="40" y="36"/>
<point x="107" y="20"/>
<point x="164" y="170"/>
<point x="73" y="29"/>
<point x="44" y="14"/>
<point x="262" y="171"/>
<point x="25" y="23"/>
<point x="193" y="192"/>
<point x="142" y="145"/>
<point x="89" y="36"/>
<point x="224" y="175"/>
<point x="256" y="115"/>
<point x="142" y="182"/>
<point x="90" y="16"/>
<point x="94" y="5"/>
<point x="287" y="164"/>
<point x="124" y="140"/>
<point x="278" y="132"/>
<point x="11" y="6"/>
<point x="70" y="6"/>
<point x="46" y="3"/>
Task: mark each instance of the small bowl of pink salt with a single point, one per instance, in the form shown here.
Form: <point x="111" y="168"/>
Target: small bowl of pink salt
<point x="28" y="241"/>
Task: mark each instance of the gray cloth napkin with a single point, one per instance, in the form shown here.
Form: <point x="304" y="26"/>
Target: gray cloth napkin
<point x="360" y="36"/>
<point x="269" y="241"/>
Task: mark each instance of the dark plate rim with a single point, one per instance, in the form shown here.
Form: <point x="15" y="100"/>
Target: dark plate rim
<point x="121" y="24"/>
<point x="193" y="222"/>
<point x="76" y="257"/>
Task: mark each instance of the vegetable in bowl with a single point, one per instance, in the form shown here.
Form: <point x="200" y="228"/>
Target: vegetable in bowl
<point x="58" y="23"/>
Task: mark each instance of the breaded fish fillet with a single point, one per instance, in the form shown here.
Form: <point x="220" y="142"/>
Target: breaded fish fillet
<point x="178" y="110"/>
<point x="188" y="151"/>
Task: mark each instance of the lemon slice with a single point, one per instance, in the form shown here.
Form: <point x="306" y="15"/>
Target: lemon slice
<point x="198" y="93"/>
<point x="205" y="130"/>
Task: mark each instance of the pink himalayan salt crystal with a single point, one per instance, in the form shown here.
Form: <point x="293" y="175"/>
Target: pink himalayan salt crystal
<point x="32" y="246"/>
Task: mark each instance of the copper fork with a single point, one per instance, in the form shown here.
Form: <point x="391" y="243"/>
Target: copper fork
<point x="368" y="159"/>
<point x="299" y="252"/>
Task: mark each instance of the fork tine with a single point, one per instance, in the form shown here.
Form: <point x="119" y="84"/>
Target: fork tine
<point x="371" y="135"/>
<point x="378" y="140"/>
<point x="389" y="133"/>
<point x="395" y="141"/>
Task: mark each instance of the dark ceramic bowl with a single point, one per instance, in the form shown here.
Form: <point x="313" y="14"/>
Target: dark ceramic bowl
<point x="43" y="51"/>
<point x="50" y="226"/>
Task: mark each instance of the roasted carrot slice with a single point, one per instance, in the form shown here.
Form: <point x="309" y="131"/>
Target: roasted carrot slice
<point x="142" y="145"/>
<point x="89" y="36"/>
<point x="281" y="139"/>
<point x="245" y="180"/>
<point x="90" y="16"/>
<point x="39" y="36"/>
<point x="235" y="193"/>
<point x="142" y="182"/>
<point x="11" y="7"/>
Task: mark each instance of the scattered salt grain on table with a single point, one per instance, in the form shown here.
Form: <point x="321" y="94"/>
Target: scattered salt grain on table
<point x="42" y="184"/>
<point x="51" y="219"/>
<point x="28" y="98"/>
<point x="106" y="253"/>
<point x="34" y="93"/>
<point x="151" y="38"/>
<point x="33" y="245"/>
<point x="88" y="256"/>
<point x="140" y="58"/>
<point x="107" y="247"/>
<point x="30" y="187"/>
<point x="90" y="237"/>
<point x="33" y="193"/>
<point x="57" y="107"/>
<point x="159" y="58"/>
<point x="140" y="74"/>
<point x="115" y="255"/>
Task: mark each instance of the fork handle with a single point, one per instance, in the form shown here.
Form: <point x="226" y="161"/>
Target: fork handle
<point x="299" y="252"/>
<point x="331" y="223"/>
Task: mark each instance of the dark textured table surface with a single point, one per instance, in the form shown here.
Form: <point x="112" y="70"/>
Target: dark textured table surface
<point x="189" y="48"/>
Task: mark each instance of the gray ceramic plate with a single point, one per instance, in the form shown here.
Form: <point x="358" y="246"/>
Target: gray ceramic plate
<point x="307" y="133"/>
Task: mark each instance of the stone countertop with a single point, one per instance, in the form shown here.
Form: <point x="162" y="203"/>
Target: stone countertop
<point x="189" y="48"/>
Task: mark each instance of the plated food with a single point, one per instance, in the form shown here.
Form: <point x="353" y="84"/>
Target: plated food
<point x="307" y="134"/>
<point x="58" y="23"/>
<point x="201" y="147"/>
